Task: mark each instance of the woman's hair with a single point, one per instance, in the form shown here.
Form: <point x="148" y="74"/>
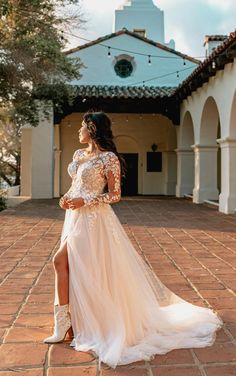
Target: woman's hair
<point x="99" y="127"/>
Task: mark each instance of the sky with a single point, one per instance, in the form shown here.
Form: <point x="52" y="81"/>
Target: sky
<point x="186" y="21"/>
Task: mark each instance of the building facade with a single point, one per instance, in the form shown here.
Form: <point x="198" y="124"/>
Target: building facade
<point x="170" y="115"/>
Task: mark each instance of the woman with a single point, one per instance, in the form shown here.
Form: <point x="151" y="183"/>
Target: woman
<point x="104" y="290"/>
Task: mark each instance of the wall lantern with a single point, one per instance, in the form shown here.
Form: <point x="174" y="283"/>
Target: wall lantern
<point x="154" y="147"/>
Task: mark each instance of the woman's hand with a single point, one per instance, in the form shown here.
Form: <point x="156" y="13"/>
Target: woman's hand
<point x="75" y="203"/>
<point x="64" y="202"/>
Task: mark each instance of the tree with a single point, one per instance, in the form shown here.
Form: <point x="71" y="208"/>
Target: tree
<point x="10" y="134"/>
<point x="32" y="66"/>
<point x="32" y="61"/>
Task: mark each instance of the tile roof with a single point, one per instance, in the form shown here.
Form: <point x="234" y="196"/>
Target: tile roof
<point x="222" y="55"/>
<point x="214" y="38"/>
<point x="137" y="36"/>
<point x="105" y="91"/>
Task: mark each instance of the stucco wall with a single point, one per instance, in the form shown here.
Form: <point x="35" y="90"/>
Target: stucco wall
<point x="133" y="134"/>
<point x="99" y="69"/>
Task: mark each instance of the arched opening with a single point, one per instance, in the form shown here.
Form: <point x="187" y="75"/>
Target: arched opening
<point x="209" y="123"/>
<point x="232" y="129"/>
<point x="208" y="155"/>
<point x="185" y="158"/>
<point x="187" y="132"/>
<point x="129" y="149"/>
<point x="228" y="146"/>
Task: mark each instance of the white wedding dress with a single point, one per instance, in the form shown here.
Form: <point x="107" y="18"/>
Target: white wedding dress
<point x="119" y="308"/>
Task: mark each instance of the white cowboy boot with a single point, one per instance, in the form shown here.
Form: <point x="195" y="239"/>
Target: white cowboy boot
<point x="62" y="324"/>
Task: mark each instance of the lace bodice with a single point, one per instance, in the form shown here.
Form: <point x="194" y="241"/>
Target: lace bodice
<point x="90" y="175"/>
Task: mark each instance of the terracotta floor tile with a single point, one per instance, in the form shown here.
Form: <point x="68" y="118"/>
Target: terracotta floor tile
<point x="37" y="308"/>
<point x="24" y="372"/>
<point x="181" y="356"/>
<point x="40" y="298"/>
<point x="2" y="331"/>
<point x="34" y="320"/>
<point x="222" y="337"/>
<point x="73" y="371"/>
<point x="13" y="355"/>
<point x="11" y="298"/>
<point x="63" y="353"/>
<point x="176" y="371"/>
<point x="28" y="334"/>
<point x="226" y="370"/>
<point x="123" y="371"/>
<point x="228" y="315"/>
<point x="6" y="320"/>
<point x="225" y="352"/>
<point x="9" y="308"/>
<point x="232" y="328"/>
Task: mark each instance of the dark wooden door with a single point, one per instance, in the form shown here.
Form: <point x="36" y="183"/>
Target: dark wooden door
<point x="129" y="185"/>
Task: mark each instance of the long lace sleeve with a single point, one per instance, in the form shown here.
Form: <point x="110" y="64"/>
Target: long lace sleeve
<point x="112" y="173"/>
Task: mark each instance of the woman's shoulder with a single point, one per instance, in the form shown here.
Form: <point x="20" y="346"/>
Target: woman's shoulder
<point x="109" y="156"/>
<point x="78" y="154"/>
<point x="109" y="153"/>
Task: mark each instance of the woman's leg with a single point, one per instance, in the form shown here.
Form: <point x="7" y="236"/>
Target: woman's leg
<point x="61" y="266"/>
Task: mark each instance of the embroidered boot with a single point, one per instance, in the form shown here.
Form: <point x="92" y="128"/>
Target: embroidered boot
<point x="62" y="324"/>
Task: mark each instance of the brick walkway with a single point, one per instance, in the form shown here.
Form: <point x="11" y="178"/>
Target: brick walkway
<point x="192" y="248"/>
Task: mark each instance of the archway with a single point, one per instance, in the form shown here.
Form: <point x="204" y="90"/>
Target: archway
<point x="232" y="126"/>
<point x="228" y="146"/>
<point x="185" y="157"/>
<point x="207" y="155"/>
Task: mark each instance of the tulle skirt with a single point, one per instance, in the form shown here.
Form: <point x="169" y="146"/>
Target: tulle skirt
<point x="119" y="308"/>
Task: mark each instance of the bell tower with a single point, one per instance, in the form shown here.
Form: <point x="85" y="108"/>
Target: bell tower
<point x="142" y="17"/>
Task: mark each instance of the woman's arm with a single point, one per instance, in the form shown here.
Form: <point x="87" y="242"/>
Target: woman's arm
<point x="112" y="174"/>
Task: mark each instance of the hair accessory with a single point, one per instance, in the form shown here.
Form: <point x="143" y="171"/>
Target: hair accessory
<point x="91" y="127"/>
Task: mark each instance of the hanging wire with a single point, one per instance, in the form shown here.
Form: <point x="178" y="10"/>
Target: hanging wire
<point x="135" y="53"/>
<point x="162" y="76"/>
<point x="181" y="56"/>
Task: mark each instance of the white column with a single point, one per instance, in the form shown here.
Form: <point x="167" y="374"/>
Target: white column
<point x="205" y="187"/>
<point x="26" y="161"/>
<point x="227" y="202"/>
<point x="57" y="161"/>
<point x="170" y="172"/>
<point x="185" y="172"/>
<point x="42" y="154"/>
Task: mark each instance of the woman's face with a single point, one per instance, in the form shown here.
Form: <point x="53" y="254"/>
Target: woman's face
<point x="84" y="136"/>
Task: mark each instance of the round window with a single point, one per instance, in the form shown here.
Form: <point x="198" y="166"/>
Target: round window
<point x="123" y="68"/>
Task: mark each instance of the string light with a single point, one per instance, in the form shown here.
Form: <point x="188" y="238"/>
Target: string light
<point x="27" y="11"/>
<point x="162" y="76"/>
<point x="213" y="64"/>
<point x="149" y="60"/>
<point x="177" y="73"/>
<point x="136" y="52"/>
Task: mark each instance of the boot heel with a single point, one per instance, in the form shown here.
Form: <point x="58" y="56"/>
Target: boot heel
<point x="70" y="332"/>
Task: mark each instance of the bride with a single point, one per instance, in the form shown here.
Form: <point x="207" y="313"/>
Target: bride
<point x="104" y="291"/>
